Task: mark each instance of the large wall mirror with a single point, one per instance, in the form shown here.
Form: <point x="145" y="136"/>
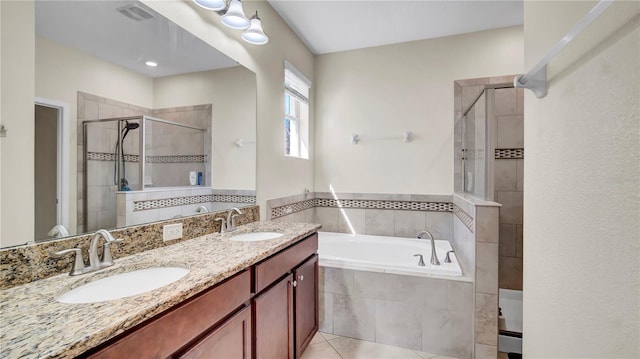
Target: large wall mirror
<point x="137" y="120"/>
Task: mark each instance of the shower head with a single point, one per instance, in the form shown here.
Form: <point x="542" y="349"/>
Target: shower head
<point x="129" y="126"/>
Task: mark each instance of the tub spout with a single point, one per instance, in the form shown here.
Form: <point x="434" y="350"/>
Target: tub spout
<point x="434" y="257"/>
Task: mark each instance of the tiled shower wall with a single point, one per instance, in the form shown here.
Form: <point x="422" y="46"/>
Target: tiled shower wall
<point x="508" y="166"/>
<point x="101" y="203"/>
<point x="508" y="182"/>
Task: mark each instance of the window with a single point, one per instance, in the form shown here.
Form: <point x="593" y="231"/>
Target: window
<point x="296" y="113"/>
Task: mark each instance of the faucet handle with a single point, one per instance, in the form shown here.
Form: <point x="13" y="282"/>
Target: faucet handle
<point x="78" y="265"/>
<point x="223" y="224"/>
<point x="447" y="259"/>
<point x="421" y="261"/>
<point x="234" y="221"/>
<point x="107" y="260"/>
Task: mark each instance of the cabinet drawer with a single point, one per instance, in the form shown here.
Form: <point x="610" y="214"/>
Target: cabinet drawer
<point x="279" y="264"/>
<point x="169" y="332"/>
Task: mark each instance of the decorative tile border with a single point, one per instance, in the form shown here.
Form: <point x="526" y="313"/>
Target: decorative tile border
<point x="103" y="156"/>
<point x="296" y="207"/>
<point x="181" y="201"/>
<point x="466" y="218"/>
<point x="177" y="159"/>
<point x="509" y="153"/>
<point x="292" y="208"/>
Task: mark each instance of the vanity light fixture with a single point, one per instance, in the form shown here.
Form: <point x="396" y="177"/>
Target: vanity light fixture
<point x="215" y="5"/>
<point x="254" y="34"/>
<point x="234" y="17"/>
<point x="151" y="63"/>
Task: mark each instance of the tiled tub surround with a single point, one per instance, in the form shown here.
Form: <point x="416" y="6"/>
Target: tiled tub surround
<point x="420" y="313"/>
<point x="41" y="327"/>
<point x="476" y="246"/>
<point x="24" y="264"/>
<point x="135" y="207"/>
<point x="398" y="303"/>
<point x="397" y="215"/>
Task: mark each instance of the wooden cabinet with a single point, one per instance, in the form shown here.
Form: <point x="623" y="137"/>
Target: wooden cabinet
<point x="273" y="311"/>
<point x="231" y="340"/>
<point x="268" y="311"/>
<point x="306" y="303"/>
<point x="286" y="313"/>
<point x="172" y="330"/>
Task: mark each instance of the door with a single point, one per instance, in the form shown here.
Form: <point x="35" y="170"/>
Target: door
<point x="46" y="170"/>
<point x="306" y="303"/>
<point x="231" y="340"/>
<point x="274" y="321"/>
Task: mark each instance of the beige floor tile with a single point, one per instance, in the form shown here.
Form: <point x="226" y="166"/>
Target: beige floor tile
<point x="320" y="350"/>
<point x="425" y="355"/>
<point x="318" y="338"/>
<point x="503" y="355"/>
<point x="328" y="336"/>
<point x="349" y="348"/>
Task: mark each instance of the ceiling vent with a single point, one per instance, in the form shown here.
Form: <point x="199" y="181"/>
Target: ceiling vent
<point x="135" y="12"/>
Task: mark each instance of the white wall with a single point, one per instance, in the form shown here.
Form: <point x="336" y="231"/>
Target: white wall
<point x="383" y="91"/>
<point x="277" y="175"/>
<point x="232" y="93"/>
<point x="582" y="203"/>
<point x="17" y="91"/>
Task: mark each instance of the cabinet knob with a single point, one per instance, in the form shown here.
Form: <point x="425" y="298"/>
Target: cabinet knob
<point x="301" y="277"/>
<point x="294" y="283"/>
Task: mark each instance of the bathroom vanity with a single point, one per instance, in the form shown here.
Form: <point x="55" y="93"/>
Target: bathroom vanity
<point x="239" y="300"/>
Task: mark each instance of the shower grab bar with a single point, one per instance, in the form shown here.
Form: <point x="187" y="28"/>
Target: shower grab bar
<point x="536" y="79"/>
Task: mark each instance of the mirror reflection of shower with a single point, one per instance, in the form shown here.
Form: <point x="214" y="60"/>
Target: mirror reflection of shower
<point x="123" y="183"/>
<point x="133" y="154"/>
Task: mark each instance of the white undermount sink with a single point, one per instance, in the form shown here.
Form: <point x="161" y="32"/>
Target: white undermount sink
<point x="256" y="236"/>
<point x="123" y="285"/>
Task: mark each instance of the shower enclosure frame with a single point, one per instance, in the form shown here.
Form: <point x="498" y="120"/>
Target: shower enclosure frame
<point x="142" y="150"/>
<point x="490" y="139"/>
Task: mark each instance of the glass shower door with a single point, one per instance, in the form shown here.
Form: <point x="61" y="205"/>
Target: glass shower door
<point x="474" y="144"/>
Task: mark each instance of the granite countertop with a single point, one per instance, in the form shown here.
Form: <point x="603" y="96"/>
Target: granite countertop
<point x="35" y="325"/>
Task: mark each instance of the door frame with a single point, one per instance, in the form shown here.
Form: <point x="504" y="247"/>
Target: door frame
<point x="62" y="173"/>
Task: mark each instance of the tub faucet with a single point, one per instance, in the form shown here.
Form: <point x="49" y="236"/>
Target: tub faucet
<point x="434" y="257"/>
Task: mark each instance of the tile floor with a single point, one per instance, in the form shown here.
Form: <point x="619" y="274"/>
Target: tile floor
<point x="329" y="346"/>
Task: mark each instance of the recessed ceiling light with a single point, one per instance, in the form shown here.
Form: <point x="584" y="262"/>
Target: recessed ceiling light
<point x="151" y="63"/>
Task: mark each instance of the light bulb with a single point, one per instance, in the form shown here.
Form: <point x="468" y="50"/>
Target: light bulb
<point x="234" y="17"/>
<point x="214" y="5"/>
<point x="254" y="34"/>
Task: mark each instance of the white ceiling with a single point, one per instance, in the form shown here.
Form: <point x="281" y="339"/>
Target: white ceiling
<point x="96" y="28"/>
<point x="331" y="26"/>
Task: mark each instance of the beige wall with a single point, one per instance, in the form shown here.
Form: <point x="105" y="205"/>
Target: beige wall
<point x="233" y="117"/>
<point x="277" y="175"/>
<point x="378" y="93"/>
<point x="17" y="83"/>
<point x="61" y="71"/>
<point x="582" y="203"/>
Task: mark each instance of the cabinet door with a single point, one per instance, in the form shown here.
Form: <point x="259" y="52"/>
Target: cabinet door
<point x="306" y="303"/>
<point x="231" y="340"/>
<point x="273" y="310"/>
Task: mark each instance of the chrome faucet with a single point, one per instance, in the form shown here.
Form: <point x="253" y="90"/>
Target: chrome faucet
<point x="434" y="257"/>
<point x="202" y="209"/>
<point x="58" y="231"/>
<point x="229" y="224"/>
<point x="231" y="218"/>
<point x="95" y="263"/>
